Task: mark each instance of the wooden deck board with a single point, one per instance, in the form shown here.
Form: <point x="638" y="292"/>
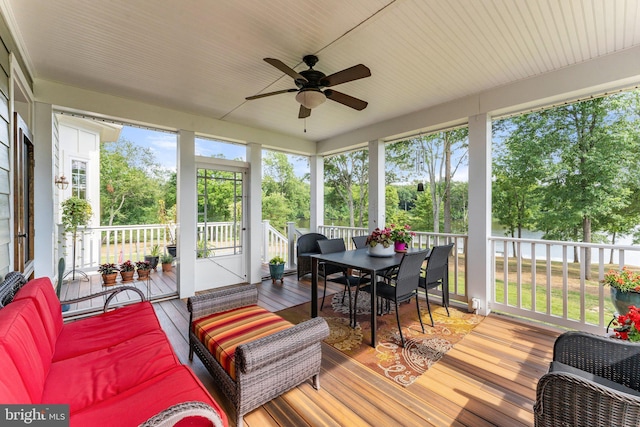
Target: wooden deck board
<point x="487" y="379"/>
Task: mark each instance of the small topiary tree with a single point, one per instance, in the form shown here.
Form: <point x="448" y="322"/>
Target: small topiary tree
<point x="76" y="213"/>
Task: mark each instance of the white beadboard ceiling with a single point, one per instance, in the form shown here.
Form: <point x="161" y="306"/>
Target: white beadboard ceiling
<point x="205" y="57"/>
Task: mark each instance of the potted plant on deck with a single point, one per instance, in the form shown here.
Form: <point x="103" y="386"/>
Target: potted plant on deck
<point x="143" y="268"/>
<point x="625" y="288"/>
<point x="76" y="213"/>
<point x="276" y="269"/>
<point x="127" y="269"/>
<point x="153" y="257"/>
<point x="109" y="273"/>
<point x="166" y="260"/>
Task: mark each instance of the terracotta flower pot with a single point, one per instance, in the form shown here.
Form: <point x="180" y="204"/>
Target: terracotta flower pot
<point x="143" y="274"/>
<point x="127" y="276"/>
<point x="166" y="267"/>
<point x="109" y="279"/>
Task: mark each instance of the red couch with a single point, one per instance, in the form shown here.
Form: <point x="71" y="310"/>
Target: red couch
<point x="114" y="369"/>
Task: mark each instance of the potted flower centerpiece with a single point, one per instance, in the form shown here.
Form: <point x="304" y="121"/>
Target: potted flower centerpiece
<point x="401" y="236"/>
<point x="276" y="269"/>
<point x="143" y="268"/>
<point x="109" y="273"/>
<point x="127" y="269"/>
<point x="625" y="289"/>
<point x="380" y="243"/>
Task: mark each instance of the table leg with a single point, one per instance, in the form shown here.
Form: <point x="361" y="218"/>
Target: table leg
<point x="314" y="287"/>
<point x="374" y="308"/>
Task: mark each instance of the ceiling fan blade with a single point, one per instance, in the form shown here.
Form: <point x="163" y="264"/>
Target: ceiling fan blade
<point x="345" y="99"/>
<point x="285" y="69"/>
<point x="262" y="95"/>
<point x="349" y="74"/>
<point x="304" y="112"/>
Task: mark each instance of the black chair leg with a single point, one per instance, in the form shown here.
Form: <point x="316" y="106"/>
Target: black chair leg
<point x="324" y="294"/>
<point x="419" y="316"/>
<point x="398" y="320"/>
<point x="426" y="296"/>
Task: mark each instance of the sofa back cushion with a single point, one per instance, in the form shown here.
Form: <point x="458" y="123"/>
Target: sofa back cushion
<point x="44" y="297"/>
<point x="223" y="332"/>
<point x="25" y="347"/>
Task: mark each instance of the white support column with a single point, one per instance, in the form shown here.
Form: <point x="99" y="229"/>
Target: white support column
<point x="478" y="251"/>
<point x="254" y="210"/>
<point x="377" y="199"/>
<point x="43" y="216"/>
<point x="187" y="203"/>
<point x="316" y="165"/>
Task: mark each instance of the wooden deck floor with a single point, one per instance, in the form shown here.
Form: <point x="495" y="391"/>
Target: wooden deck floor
<point x="487" y="379"/>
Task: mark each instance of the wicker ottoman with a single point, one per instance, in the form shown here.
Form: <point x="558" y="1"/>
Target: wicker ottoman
<point x="254" y="355"/>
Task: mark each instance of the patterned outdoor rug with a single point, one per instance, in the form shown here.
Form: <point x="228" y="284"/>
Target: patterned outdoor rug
<point x="389" y="358"/>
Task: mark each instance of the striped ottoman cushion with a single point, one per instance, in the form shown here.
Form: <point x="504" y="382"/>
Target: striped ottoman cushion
<point x="222" y="332"/>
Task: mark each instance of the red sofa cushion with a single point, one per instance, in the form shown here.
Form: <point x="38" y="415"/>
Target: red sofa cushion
<point x="44" y="296"/>
<point x="105" y="330"/>
<point x="89" y="378"/>
<point x="145" y="400"/>
<point x="223" y="332"/>
<point x="24" y="342"/>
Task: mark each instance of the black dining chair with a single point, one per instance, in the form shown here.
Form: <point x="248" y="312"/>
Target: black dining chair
<point x="404" y="285"/>
<point x="326" y="269"/>
<point x="359" y="242"/>
<point x="437" y="274"/>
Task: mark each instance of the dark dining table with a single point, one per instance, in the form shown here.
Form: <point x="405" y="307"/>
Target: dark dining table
<point x="358" y="259"/>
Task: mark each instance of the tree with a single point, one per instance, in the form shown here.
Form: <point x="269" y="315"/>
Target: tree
<point x="130" y="182"/>
<point x="345" y="173"/>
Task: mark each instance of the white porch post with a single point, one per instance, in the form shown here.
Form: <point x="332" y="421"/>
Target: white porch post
<point x="43" y="216"/>
<point x="377" y="201"/>
<point x="478" y="251"/>
<point x="187" y="203"/>
<point x="254" y="209"/>
<point x="316" y="166"/>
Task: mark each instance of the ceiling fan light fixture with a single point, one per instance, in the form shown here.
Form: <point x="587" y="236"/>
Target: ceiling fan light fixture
<point x="310" y="98"/>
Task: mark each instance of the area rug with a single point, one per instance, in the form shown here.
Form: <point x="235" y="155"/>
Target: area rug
<point x="389" y="359"/>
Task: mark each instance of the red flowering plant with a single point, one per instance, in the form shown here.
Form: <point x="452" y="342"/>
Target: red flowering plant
<point x="380" y="237"/>
<point x="623" y="280"/>
<point x="627" y="327"/>
<point x="402" y="234"/>
<point x="143" y="265"/>
<point x="127" y="266"/>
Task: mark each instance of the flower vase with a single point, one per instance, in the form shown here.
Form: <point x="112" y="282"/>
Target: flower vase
<point x="400" y="247"/>
<point x="380" y="251"/>
<point x="622" y="300"/>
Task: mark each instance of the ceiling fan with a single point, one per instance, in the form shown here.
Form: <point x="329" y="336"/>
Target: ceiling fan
<point x="311" y="82"/>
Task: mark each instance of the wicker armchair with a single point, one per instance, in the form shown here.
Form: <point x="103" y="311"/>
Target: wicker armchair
<point x="266" y="367"/>
<point x="307" y="245"/>
<point x="592" y="381"/>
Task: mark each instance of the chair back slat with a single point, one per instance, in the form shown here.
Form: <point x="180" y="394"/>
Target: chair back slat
<point x="330" y="246"/>
<point x="437" y="267"/>
<point x="409" y="272"/>
<point x="359" y="241"/>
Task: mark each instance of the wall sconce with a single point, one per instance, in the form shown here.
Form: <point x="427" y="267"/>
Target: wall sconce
<point x="420" y="186"/>
<point x="61" y="182"/>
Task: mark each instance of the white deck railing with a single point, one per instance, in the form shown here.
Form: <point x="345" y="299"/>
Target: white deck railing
<point x="550" y="286"/>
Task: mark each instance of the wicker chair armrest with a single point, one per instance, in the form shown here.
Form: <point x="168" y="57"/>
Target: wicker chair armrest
<point x="567" y="399"/>
<point x="613" y="359"/>
<point x="111" y="292"/>
<point x="172" y="415"/>
<point x="217" y="300"/>
<point x="264" y="351"/>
